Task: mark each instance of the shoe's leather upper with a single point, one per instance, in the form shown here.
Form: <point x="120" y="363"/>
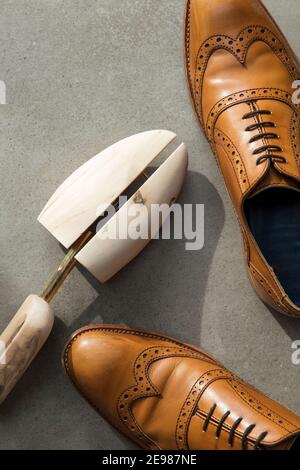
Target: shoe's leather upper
<point x="164" y="394"/>
<point x="241" y="71"/>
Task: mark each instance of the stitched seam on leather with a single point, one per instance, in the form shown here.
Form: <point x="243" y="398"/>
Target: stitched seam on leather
<point x="256" y="272"/>
<point x="235" y="211"/>
<point x="244" y="96"/>
<point x="123" y="428"/>
<point x="251" y="185"/>
<point x="201" y="384"/>
<point x="187" y="39"/>
<point x="295" y="140"/>
<point x="223" y="148"/>
<point x="185" y="442"/>
<point x="267" y="410"/>
<point x="296" y="155"/>
<point x="272" y="293"/>
<point x="249" y="264"/>
<point x="277" y="299"/>
<point x="187" y="421"/>
<point x="180" y="346"/>
<point x="137" y="391"/>
<point x="218" y="131"/>
<point x="140" y="333"/>
<point x="109" y="419"/>
<point x="140" y="431"/>
<point x="282" y="50"/>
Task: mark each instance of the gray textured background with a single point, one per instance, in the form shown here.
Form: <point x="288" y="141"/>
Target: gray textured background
<point x="80" y="75"/>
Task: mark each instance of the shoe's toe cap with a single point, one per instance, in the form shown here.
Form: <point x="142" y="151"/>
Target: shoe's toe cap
<point x="208" y="18"/>
<point x="100" y="361"/>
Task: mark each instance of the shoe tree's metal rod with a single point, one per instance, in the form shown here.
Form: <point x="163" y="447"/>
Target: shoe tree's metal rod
<point x="57" y="279"/>
<point x="68" y="263"/>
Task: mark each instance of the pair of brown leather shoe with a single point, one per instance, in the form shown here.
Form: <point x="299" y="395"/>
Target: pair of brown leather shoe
<point x="160" y="392"/>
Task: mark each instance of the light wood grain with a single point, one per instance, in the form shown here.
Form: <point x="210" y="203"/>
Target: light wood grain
<point x="22" y="340"/>
<point x="74" y="206"/>
<point x="105" y="257"/>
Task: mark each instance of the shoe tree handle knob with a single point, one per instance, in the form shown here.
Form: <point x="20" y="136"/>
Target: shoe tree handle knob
<point x="22" y="339"/>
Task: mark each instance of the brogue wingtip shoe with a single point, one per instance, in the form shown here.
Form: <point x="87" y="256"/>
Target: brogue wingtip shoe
<point x="165" y="394"/>
<point x="241" y="73"/>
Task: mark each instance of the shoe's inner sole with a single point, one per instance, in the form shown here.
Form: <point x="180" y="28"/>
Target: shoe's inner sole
<point x="274" y="220"/>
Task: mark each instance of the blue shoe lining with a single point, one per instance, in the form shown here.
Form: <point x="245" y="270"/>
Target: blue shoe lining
<point x="274" y="220"/>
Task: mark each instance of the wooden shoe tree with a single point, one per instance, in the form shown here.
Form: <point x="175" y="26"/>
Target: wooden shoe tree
<point x="71" y="216"/>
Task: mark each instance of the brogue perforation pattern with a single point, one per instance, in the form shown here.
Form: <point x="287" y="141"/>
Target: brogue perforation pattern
<point x="144" y="388"/>
<point x="234" y="158"/>
<point x="295" y="137"/>
<point x="259" y="407"/>
<point x="189" y="352"/>
<point x="270" y="291"/>
<point x="191" y="402"/>
<point x="238" y="47"/>
<point x="243" y="97"/>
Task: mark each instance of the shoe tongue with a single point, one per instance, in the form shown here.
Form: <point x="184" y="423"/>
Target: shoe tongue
<point x="275" y="179"/>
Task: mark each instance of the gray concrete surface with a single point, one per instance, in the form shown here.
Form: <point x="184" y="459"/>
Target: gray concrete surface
<point x="80" y="75"/>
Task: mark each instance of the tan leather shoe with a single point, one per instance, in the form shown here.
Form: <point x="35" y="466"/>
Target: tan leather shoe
<point x="165" y="394"/>
<point x="241" y="71"/>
